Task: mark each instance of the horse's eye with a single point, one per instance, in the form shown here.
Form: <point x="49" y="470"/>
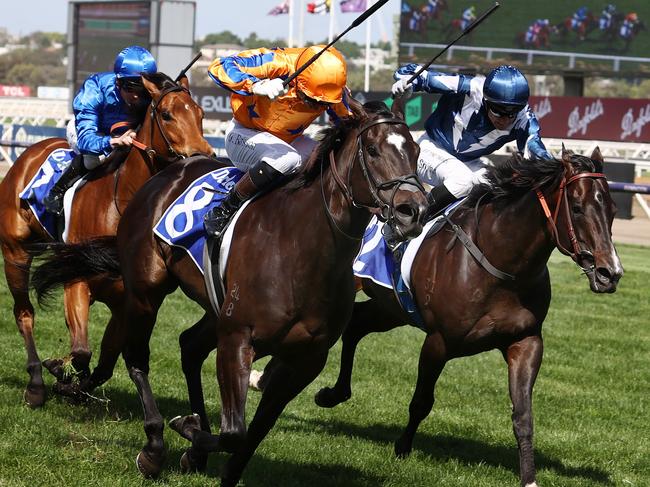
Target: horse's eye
<point x="372" y="151"/>
<point x="166" y="116"/>
<point x="599" y="198"/>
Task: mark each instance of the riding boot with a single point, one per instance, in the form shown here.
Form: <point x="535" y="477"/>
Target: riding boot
<point x="438" y="199"/>
<point x="54" y="200"/>
<point x="258" y="178"/>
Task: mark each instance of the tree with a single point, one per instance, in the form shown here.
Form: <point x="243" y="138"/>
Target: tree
<point x="225" y="37"/>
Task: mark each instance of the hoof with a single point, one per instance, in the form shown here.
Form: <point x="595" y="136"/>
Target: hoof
<point x="147" y="466"/>
<point x="186" y="425"/>
<point x="327" y="397"/>
<point x="255" y="379"/>
<point x="69" y="390"/>
<point x="35" y="396"/>
<point x="402" y="449"/>
<point x="55" y="367"/>
<point x="192" y="462"/>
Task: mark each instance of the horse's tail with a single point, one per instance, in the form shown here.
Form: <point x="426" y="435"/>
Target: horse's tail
<point x="68" y="263"/>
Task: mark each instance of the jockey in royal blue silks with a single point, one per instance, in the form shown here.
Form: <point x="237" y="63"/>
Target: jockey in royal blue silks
<point x="103" y="100"/>
<point x="475" y="116"/>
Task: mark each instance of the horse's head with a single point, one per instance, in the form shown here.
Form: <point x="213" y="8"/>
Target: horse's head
<point x="588" y="214"/>
<point x="173" y="126"/>
<point x="383" y="175"/>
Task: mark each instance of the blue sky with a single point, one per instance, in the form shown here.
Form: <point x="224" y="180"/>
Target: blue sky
<point x="240" y="17"/>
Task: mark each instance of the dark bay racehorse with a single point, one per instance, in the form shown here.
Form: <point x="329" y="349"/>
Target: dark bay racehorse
<point x="289" y="283"/>
<point x="466" y="310"/>
<point x="171" y="129"/>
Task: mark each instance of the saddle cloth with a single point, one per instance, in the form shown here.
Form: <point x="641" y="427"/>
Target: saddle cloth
<point x="392" y="269"/>
<point x="47" y="175"/>
<point x="181" y="225"/>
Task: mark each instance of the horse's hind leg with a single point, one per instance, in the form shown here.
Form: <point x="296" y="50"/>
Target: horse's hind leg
<point x="524" y="359"/>
<point x="285" y="383"/>
<point x="432" y="361"/>
<point x="16" y="266"/>
<point x="367" y="317"/>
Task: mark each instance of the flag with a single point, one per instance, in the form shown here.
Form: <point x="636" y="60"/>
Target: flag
<point x="283" y="8"/>
<point x="353" y="5"/>
<point x="319" y="7"/>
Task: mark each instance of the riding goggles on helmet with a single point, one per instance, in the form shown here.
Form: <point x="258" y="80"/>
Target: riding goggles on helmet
<point x="503" y="111"/>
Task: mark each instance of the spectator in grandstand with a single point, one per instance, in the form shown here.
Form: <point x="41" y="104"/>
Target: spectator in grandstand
<point x="265" y="137"/>
<point x="103" y="100"/>
<point x="475" y="116"/>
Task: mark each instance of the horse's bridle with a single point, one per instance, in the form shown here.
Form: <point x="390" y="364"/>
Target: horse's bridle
<point x="385" y="211"/>
<point x="577" y="254"/>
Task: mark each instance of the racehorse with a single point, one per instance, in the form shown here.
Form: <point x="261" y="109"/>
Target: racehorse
<point x="539" y="39"/>
<point x="582" y="29"/>
<point x="629" y="34"/>
<point x="171" y="130"/>
<point x="466" y="310"/>
<point x="289" y="287"/>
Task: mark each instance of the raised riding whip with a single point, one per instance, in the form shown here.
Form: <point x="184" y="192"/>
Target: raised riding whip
<point x="186" y="68"/>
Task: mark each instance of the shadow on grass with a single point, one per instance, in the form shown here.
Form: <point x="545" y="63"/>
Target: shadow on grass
<point x="443" y="448"/>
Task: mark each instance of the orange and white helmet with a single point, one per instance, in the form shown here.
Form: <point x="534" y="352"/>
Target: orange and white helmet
<point x="632" y="17"/>
<point x="325" y="78"/>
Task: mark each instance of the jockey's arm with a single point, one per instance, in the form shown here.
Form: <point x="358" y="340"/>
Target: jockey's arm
<point x="529" y="141"/>
<point x="238" y="73"/>
<point x="87" y="107"/>
<point x="435" y="82"/>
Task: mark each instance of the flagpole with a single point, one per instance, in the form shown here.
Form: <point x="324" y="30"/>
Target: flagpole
<point x="301" y="32"/>
<point x="331" y="33"/>
<point x="366" y="84"/>
<point x="291" y="10"/>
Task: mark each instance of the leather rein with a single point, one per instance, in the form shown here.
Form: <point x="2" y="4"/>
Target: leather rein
<point x="385" y="211"/>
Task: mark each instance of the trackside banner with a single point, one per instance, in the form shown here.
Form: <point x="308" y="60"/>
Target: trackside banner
<point x="615" y="119"/>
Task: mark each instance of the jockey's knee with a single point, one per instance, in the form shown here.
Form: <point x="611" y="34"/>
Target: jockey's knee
<point x="286" y="164"/>
<point x="459" y="187"/>
<point x="92" y="161"/>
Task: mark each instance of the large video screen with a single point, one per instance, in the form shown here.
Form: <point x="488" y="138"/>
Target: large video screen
<point x="547" y="36"/>
<point x="103" y="29"/>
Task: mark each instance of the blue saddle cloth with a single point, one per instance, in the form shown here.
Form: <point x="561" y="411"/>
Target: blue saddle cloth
<point x="48" y="174"/>
<point x="182" y="223"/>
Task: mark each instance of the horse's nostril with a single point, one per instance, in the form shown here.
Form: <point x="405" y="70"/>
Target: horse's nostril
<point x="406" y="211"/>
<point x="603" y="275"/>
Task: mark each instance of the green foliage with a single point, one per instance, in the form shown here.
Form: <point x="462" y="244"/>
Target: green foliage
<point x="33" y="67"/>
<point x="591" y="406"/>
<point x="225" y="37"/>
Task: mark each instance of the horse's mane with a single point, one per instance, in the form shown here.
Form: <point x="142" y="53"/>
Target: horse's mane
<point x="517" y="176"/>
<point x="330" y="139"/>
<point x="161" y="80"/>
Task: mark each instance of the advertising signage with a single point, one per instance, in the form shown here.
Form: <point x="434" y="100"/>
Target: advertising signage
<point x="585" y="36"/>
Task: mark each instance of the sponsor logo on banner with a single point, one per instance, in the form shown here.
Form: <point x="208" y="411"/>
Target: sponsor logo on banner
<point x="579" y="124"/>
<point x="542" y="108"/>
<point x="15" y="90"/>
<point x="632" y="125"/>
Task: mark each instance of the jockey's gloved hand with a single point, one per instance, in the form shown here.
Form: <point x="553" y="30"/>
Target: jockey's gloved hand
<point x="402" y="87"/>
<point x="271" y="88"/>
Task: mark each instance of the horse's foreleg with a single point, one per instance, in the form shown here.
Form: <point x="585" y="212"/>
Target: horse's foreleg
<point x="432" y="361"/>
<point x="284" y="384"/>
<point x="16" y="271"/>
<point x="234" y="358"/>
<point x="141" y="314"/>
<point x="524" y="359"/>
<point x="367" y="317"/>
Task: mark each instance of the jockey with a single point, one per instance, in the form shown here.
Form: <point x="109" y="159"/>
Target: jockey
<point x="103" y="100"/>
<point x="579" y="17"/>
<point x="627" y="27"/>
<point x="475" y="116"/>
<point x="265" y="136"/>
<point x="469" y="16"/>
<point x="606" y="17"/>
<point x="534" y="29"/>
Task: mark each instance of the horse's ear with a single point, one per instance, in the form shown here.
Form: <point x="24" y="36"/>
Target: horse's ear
<point x="596" y="155"/>
<point x="150" y="86"/>
<point x="357" y="109"/>
<point x="398" y="107"/>
<point x="184" y="82"/>
<point x="565" y="152"/>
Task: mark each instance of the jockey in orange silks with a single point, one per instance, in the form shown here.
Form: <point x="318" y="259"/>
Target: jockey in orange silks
<point x="265" y="137"/>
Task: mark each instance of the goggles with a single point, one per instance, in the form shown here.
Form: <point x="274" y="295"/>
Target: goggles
<point x="132" y="86"/>
<point x="312" y="101"/>
<point x="503" y="111"/>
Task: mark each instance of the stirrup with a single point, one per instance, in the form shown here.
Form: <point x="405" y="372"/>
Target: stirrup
<point x="216" y="221"/>
<point x="53" y="203"/>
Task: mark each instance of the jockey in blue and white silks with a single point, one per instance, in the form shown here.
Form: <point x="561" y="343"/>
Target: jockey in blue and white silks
<point x="103" y="100"/>
<point x="607" y="17"/>
<point x="468" y="16"/>
<point x="579" y="17"/>
<point x="475" y="116"/>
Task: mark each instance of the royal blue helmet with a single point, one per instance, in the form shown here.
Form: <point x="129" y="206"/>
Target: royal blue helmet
<point x="132" y="61"/>
<point x="506" y="85"/>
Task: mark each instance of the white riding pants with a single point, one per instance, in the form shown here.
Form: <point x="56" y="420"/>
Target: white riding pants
<point x="436" y="166"/>
<point x="246" y="147"/>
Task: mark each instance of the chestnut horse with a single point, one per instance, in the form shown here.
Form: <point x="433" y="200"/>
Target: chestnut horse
<point x="172" y="129"/>
<point x="466" y="310"/>
<point x="289" y="283"/>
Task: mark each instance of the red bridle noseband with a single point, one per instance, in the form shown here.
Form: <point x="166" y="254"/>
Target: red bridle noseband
<point x="562" y="200"/>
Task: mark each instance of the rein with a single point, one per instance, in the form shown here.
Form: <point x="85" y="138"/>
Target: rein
<point x="384" y="210"/>
<point x="563" y="201"/>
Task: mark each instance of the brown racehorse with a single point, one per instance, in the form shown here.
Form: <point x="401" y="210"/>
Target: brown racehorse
<point x="289" y="283"/>
<point x="171" y="129"/>
<point x="466" y="310"/>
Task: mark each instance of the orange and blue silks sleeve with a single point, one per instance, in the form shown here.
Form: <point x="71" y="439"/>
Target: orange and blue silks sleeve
<point x="238" y="73"/>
